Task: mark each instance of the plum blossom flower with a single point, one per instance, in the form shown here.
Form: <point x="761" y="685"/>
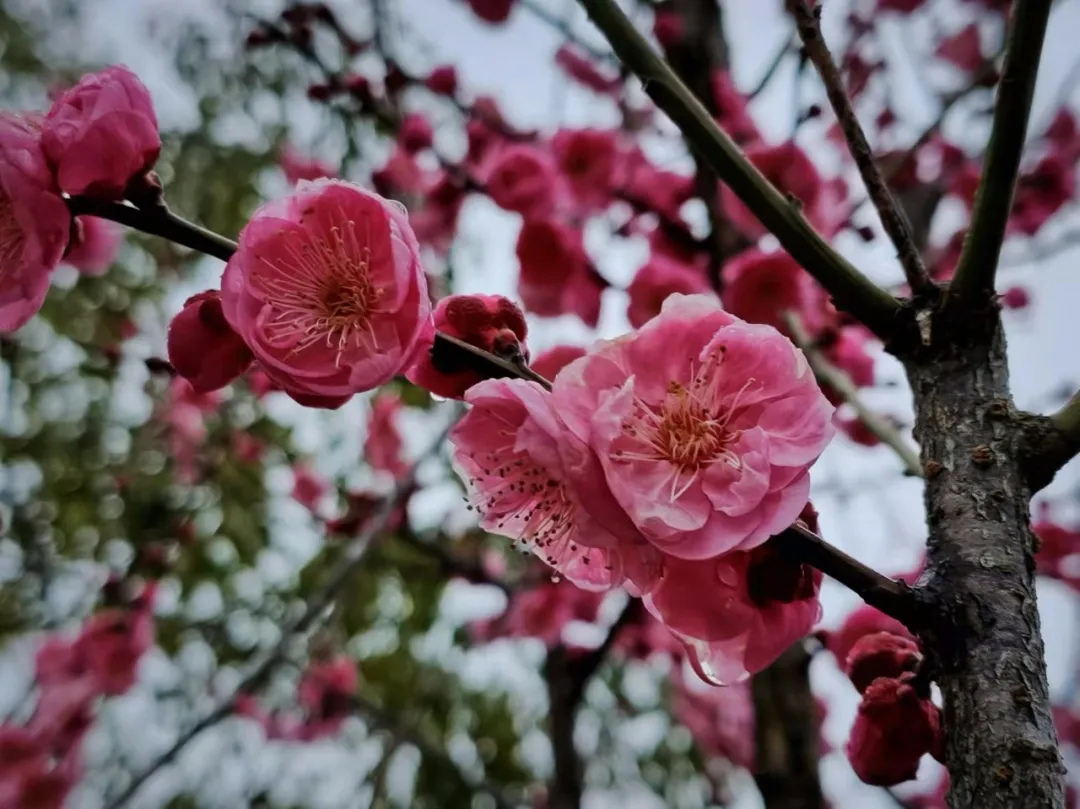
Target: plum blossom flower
<point x="490" y="322"/>
<point x="705" y="427"/>
<point x="587" y="158"/>
<point x="790" y="169"/>
<point x="556" y="275"/>
<point x="327" y="290"/>
<point x="736" y="613"/>
<point x="522" y="468"/>
<point x="863" y="620"/>
<point x="102" y="133"/>
<point x="655" y="281"/>
<point x="203" y="347"/>
<point x="95" y="245"/>
<point x="549" y="363"/>
<point x="759" y="287"/>
<point x="34" y="222"/>
<point x="523" y="178"/>
<point x="881" y="654"/>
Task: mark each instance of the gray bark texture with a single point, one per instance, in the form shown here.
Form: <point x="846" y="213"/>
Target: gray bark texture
<point x="980" y="623"/>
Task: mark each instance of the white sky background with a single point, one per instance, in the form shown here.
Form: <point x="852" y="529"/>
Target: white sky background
<point x="877" y="518"/>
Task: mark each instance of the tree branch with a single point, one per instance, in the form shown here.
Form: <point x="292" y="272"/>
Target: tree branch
<point x="808" y="20"/>
<point x="313" y="610"/>
<point x="770" y="71"/>
<point x="852" y="290"/>
<point x="893" y="598"/>
<point x="977" y="267"/>
<point x="829" y="374"/>
<point x="1049" y="442"/>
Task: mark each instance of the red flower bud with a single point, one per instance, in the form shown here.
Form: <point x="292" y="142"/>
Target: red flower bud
<point x="881" y="654"/>
<point x="490" y="322"/>
<point x="203" y="347"/>
<point x="894" y="728"/>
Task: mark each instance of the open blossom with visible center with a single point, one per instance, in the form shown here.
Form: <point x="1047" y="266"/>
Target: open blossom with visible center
<point x="327" y="290"/>
<point x="705" y="427"/>
<point x="523" y="470"/>
<point x="102" y="133"/>
<point x="34" y="222"/>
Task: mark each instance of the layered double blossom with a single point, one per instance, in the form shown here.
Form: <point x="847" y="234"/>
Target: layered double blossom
<point x="328" y="292"/>
<point x="98" y="137"/>
<point x="664" y="461"/>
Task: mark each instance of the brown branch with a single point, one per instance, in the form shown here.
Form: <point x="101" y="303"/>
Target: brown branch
<point x="851" y="289"/>
<point x="807" y="20"/>
<point x="890" y="597"/>
<point x="1049" y="442"/>
<point x="977" y="267"/>
<point x="835" y="378"/>
<point x="770" y="71"/>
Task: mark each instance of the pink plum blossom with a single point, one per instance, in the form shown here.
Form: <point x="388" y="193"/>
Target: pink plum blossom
<point x="705" y="427"/>
<point x="556" y="275"/>
<point x="523" y="178"/>
<point x="34" y="222"/>
<point x="658" y="278"/>
<point x="309" y="488"/>
<point x="523" y="468"/>
<point x="328" y="292"/>
<point x="587" y="158"/>
<point x="549" y="363"/>
<point x="790" y="169"/>
<point x="760" y="286"/>
<point x="102" y="133"/>
<point x="95" y="246"/>
<point x="736" y="613"/>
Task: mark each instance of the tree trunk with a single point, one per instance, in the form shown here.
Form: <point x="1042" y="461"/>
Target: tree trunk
<point x="984" y="640"/>
<point x="787" y="734"/>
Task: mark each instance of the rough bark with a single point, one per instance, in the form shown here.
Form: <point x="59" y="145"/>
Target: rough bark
<point x="787" y="734"/>
<point x="982" y="628"/>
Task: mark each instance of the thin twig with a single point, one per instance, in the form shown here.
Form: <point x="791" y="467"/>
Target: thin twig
<point x="977" y="267"/>
<point x="850" y="288"/>
<point x="313" y="610"/>
<point x="770" y="71"/>
<point x="891" y="597"/>
<point x="808" y="21"/>
<point x="838" y="380"/>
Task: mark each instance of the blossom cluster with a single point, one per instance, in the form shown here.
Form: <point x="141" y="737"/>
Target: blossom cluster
<point x="99" y="139"/>
<point x="40" y="761"/>
<point x="664" y="461"/>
